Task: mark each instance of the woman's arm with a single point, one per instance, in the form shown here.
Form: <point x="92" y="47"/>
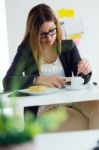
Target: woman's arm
<point x="80" y="66"/>
<point x="21" y="72"/>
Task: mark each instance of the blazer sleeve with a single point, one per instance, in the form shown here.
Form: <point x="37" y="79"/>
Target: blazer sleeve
<point x="75" y="59"/>
<point x="15" y="77"/>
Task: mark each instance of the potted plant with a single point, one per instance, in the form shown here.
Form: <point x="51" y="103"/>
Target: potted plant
<point x="16" y="136"/>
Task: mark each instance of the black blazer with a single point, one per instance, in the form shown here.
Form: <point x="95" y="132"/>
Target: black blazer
<point x="24" y="67"/>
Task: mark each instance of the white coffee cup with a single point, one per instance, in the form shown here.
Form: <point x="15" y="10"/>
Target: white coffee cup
<point x="76" y="81"/>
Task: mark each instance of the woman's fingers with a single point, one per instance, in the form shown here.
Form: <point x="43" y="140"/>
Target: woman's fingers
<point x="58" y="82"/>
<point x="52" y="81"/>
<point x="84" y="66"/>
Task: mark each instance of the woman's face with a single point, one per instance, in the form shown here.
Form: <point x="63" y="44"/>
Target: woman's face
<point x="48" y="34"/>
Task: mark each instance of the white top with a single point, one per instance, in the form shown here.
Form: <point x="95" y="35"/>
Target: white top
<point x="53" y="69"/>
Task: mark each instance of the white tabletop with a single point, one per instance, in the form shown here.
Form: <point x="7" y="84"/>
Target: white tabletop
<point x="61" y="96"/>
<point x="77" y="140"/>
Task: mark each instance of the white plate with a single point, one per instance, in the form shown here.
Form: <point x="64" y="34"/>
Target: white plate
<point x="69" y="87"/>
<point x="47" y="91"/>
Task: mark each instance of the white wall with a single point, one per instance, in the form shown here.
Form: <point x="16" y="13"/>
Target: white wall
<point x="4" y="56"/>
<point x="87" y="10"/>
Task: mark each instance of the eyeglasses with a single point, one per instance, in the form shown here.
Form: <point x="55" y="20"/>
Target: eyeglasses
<point x="50" y="32"/>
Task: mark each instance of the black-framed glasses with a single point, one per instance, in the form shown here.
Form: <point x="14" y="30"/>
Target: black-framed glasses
<point x="51" y="32"/>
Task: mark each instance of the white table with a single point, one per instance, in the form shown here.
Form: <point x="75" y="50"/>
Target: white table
<point x="77" y="140"/>
<point x="61" y="96"/>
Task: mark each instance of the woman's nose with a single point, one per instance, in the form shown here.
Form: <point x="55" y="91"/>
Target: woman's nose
<point x="49" y="36"/>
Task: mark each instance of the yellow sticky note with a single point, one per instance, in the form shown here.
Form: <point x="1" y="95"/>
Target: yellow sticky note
<point x="61" y="12"/>
<point x="66" y="12"/>
<point x="70" y="13"/>
<point x="75" y="36"/>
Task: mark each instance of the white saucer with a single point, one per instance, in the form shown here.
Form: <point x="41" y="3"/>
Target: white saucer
<point x="81" y="87"/>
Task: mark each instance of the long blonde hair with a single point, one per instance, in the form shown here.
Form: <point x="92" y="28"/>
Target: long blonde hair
<point x="36" y="17"/>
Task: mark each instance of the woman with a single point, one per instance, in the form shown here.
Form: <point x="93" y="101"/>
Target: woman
<point x="43" y="58"/>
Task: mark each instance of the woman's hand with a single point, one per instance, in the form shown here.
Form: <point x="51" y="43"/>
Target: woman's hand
<point x="84" y="67"/>
<point x="52" y="81"/>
